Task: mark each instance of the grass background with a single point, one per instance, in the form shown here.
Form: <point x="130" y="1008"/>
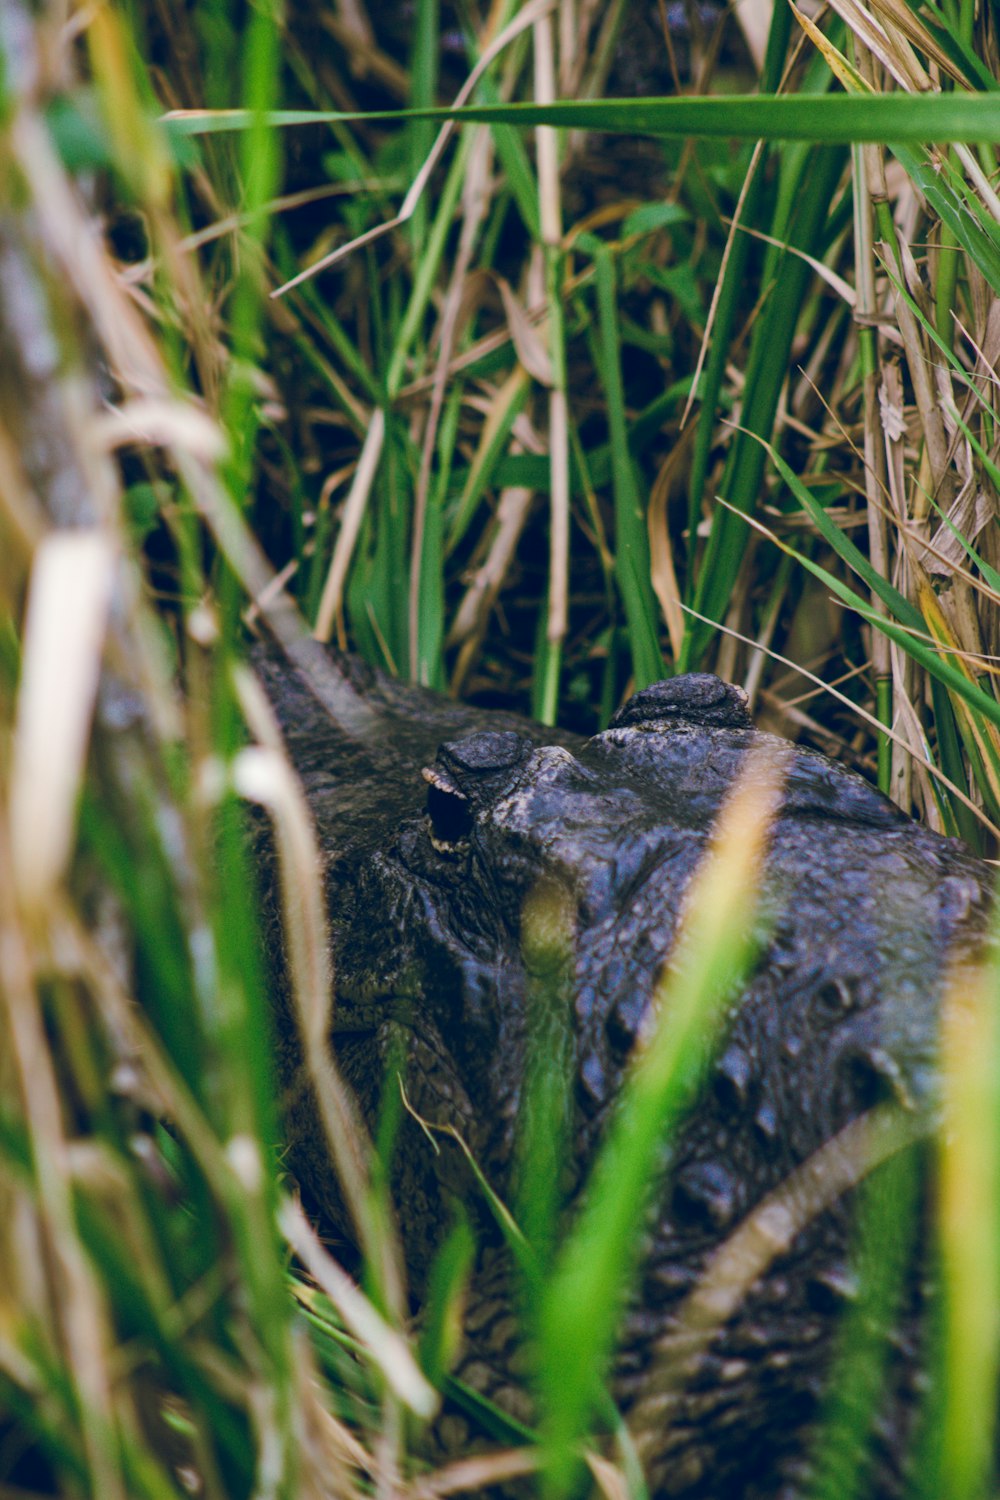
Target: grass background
<point x="527" y="411"/>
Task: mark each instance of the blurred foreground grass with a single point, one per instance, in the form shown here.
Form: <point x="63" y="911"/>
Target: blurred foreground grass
<point x="466" y="448"/>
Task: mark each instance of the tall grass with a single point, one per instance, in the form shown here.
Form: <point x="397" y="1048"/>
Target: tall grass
<point x="439" y="446"/>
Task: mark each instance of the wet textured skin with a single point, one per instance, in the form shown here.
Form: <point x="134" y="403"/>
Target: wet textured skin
<point x="437" y="822"/>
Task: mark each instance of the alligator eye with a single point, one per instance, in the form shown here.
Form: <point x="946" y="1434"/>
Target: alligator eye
<point x="448" y="810"/>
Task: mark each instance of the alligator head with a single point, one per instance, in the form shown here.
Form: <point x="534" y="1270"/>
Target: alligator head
<point x="439" y="839"/>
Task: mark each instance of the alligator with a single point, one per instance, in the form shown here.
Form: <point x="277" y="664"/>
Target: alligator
<point x="437" y="821"/>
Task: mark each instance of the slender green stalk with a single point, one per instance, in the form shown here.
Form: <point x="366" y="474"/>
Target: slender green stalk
<point x="631" y="545"/>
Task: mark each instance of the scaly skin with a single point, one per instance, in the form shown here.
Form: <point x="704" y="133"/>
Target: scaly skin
<point x="427" y="879"/>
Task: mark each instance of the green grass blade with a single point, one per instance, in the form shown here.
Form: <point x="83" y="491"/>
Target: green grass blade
<point x="969" y="1233"/>
<point x="509" y="402"/>
<point x="442" y="1315"/>
<point x="425" y="55"/>
<point x="905" y="612"/>
<point x="631" y="542"/>
<point x="807" y="192"/>
<point x="926" y="655"/>
<point x="731" y="293"/>
<point x="427" y="267"/>
<point x="906" y="118"/>
<point x="958" y="208"/>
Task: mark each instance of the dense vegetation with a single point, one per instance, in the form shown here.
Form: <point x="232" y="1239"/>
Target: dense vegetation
<point x="531" y="410"/>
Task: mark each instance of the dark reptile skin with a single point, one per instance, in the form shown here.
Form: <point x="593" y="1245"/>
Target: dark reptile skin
<point x="863" y="908"/>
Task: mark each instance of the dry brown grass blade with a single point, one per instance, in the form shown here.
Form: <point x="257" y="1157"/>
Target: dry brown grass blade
<point x="885" y="44"/>
<point x="330" y="612"/>
<point x="459" y="304"/>
<point x="528" y="339"/>
<point x="388" y="1348"/>
<point x="351" y="29"/>
<point x="840" y="67"/>
<point x="264" y="775"/>
<point x="68" y="607"/>
<point x="662" y="571"/>
<point x="610" y="1480"/>
<point x="336" y="1457"/>
<point x="900" y="18"/>
<point x="472" y="617"/>
<point x="475" y="1475"/>
<point x="550" y="222"/>
<point x="754" y="20"/>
